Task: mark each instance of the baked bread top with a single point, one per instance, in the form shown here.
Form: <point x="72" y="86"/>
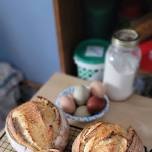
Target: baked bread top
<point x="38" y="125"/>
<point x="107" y="137"/>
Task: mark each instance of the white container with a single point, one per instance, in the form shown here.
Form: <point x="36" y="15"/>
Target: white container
<point x="89" y="58"/>
<point x="122" y="61"/>
<point x="90" y="71"/>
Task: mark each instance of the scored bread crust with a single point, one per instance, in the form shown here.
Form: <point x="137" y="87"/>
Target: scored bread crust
<point x="38" y="125"/>
<point x="107" y="137"/>
<point x="134" y="142"/>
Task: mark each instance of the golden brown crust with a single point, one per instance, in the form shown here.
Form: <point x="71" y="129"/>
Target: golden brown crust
<point x="15" y="132"/>
<point x="35" y="124"/>
<point x="77" y="143"/>
<point x="107" y="137"/>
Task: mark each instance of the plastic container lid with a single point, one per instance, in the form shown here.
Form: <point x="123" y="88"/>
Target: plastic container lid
<point x="91" y="51"/>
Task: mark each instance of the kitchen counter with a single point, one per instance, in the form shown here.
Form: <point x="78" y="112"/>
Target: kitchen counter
<point x="135" y="111"/>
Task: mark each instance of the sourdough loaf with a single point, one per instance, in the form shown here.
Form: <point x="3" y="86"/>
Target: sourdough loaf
<point x="37" y="126"/>
<point x="107" y="137"/>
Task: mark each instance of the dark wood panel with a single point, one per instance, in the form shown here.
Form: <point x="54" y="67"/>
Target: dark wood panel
<point x="69" y="23"/>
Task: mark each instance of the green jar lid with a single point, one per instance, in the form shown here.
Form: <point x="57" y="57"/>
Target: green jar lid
<point x="91" y="51"/>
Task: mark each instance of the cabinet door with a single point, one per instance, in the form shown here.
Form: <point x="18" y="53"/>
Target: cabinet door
<point x="69" y="24"/>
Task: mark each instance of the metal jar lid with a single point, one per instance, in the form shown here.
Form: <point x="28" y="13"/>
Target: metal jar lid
<point x="126" y="38"/>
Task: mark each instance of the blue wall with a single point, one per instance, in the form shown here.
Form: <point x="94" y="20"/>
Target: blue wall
<point x="28" y="37"/>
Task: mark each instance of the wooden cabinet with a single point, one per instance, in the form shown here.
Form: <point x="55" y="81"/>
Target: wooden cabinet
<point x="68" y="14"/>
<point x="69" y="17"/>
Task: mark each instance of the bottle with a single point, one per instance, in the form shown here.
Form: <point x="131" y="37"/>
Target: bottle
<point x="121" y="63"/>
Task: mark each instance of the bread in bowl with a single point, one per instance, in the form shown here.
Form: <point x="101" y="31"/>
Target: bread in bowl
<point x="107" y="137"/>
<point x="37" y="126"/>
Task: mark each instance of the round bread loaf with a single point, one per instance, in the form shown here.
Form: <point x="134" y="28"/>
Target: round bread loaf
<point x="107" y="137"/>
<point x="37" y="126"/>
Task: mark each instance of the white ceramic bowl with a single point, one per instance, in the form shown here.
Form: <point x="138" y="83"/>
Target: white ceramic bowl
<point x="70" y="117"/>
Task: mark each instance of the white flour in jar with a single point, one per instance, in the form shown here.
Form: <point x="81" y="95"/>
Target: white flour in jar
<point x="119" y="81"/>
<point x="122" y="61"/>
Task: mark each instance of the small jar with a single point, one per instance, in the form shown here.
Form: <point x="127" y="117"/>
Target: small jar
<point x="122" y="61"/>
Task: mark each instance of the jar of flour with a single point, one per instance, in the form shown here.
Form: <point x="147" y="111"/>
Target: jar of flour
<point x="122" y="61"/>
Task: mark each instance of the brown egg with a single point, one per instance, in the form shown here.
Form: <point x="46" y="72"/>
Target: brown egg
<point x="67" y="104"/>
<point x="95" y="104"/>
<point x="97" y="89"/>
<point x="82" y="111"/>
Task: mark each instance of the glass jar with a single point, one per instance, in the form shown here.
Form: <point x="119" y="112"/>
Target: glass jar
<point x="122" y="61"/>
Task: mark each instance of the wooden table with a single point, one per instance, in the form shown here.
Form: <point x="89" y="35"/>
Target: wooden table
<point x="136" y="111"/>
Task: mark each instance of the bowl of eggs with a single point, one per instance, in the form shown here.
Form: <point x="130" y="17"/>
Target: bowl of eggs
<point x="83" y="103"/>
